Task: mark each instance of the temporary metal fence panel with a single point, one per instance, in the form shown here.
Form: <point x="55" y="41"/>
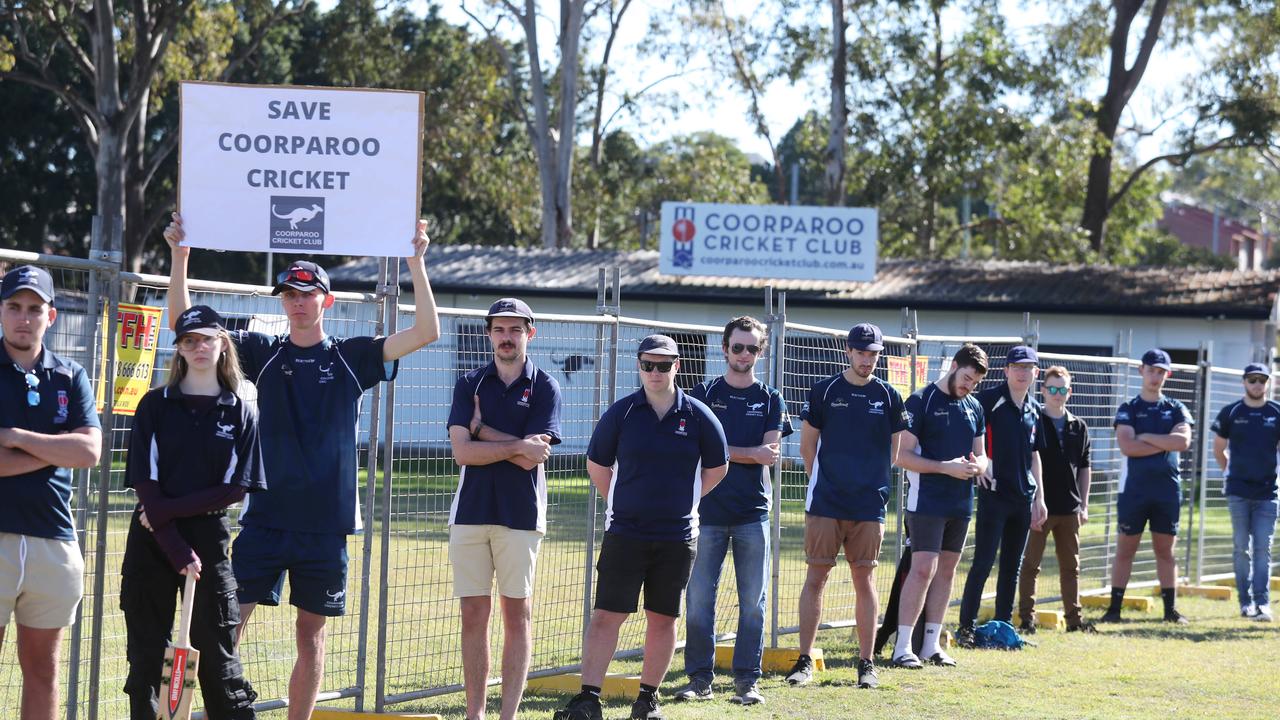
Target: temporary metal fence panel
<point x="1215" y="545"/>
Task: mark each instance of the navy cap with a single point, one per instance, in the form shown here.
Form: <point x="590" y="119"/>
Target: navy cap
<point x="1021" y="354"/>
<point x="27" y="277"/>
<point x="302" y="275"/>
<point x="511" y="307"/>
<point x="1155" y="357"/>
<point x="200" y="319"/>
<point x="658" y="345"/>
<point x="1256" y="369"/>
<point x="865" y="336"/>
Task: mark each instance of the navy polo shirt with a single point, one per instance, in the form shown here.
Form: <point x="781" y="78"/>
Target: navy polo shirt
<point x="1155" y="476"/>
<point x="850" y="478"/>
<point x="658" y="479"/>
<point x="746" y="414"/>
<point x="1012" y="436"/>
<point x="309" y="410"/>
<point x="189" y="451"/>
<point x="945" y="428"/>
<point x="504" y="493"/>
<point x="38" y="503"/>
<point x="1252" y="435"/>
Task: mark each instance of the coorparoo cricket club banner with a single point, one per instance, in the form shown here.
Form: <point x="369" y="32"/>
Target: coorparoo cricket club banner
<point x="330" y="171"/>
<point x="769" y="241"/>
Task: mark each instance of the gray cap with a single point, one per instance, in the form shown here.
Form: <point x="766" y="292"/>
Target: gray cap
<point x="658" y="345"/>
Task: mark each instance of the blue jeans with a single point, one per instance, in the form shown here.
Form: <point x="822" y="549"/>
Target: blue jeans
<point x="750" y="543"/>
<point x="1002" y="526"/>
<point x="1253" y="520"/>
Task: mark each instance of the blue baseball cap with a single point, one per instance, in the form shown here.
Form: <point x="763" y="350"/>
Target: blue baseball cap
<point x="1155" y="357"/>
<point x="511" y="307"/>
<point x="200" y="319"/>
<point x="1020" y="354"/>
<point x="27" y="277"/>
<point x="1256" y="369"/>
<point x="865" y="336"/>
<point x="658" y="345"/>
<point x="302" y="275"/>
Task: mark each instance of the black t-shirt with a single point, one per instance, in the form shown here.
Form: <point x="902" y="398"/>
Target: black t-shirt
<point x="1064" y="453"/>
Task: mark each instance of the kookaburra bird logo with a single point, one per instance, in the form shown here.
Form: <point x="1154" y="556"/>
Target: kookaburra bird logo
<point x="300" y="215"/>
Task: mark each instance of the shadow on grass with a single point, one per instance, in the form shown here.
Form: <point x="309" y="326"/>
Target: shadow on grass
<point x="1160" y="630"/>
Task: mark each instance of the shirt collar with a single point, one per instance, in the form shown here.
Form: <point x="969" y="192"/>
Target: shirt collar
<point x="680" y="405"/>
<point x="47" y="359"/>
<point x="526" y="372"/>
<point x="226" y="397"/>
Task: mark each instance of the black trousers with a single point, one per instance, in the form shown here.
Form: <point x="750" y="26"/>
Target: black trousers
<point x="1002" y="526"/>
<point x="149" y="588"/>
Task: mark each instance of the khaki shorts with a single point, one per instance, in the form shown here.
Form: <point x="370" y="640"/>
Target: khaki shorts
<point x="824" y="536"/>
<point x="41" y="581"/>
<point x="478" y="552"/>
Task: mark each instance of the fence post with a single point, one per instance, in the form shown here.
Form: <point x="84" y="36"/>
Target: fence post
<point x="371" y="475"/>
<point x="1203" y="387"/>
<point x="909" y="330"/>
<point x="605" y="305"/>
<point x="777" y="319"/>
<point x="390" y="312"/>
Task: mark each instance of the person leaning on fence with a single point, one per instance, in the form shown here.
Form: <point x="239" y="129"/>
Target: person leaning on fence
<point x="1064" y="459"/>
<point x="853" y="427"/>
<point x="48" y="425"/>
<point x="670" y="450"/>
<point x="504" y="419"/>
<point x="193" y="451"/>
<point x="1151" y="430"/>
<point x="309" y="387"/>
<point x="735" y="514"/>
<point x="1010" y="493"/>
<point x="1246" y="436"/>
<point x="944" y="455"/>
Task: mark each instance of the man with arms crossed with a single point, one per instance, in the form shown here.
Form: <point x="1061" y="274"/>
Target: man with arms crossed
<point x="1151" y="430"/>
<point x="1246" y="434"/>
<point x="853" y="426"/>
<point x="309" y="389"/>
<point x="669" y="451"/>
<point x="735" y="513"/>
<point x="943" y="453"/>
<point x="1065" y="471"/>
<point x="504" y="420"/>
<point x="1010" y="494"/>
<point x="48" y="425"/>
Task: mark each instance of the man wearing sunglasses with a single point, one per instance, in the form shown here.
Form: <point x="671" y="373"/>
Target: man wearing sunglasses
<point x="1151" y="430"/>
<point x="309" y="389"/>
<point x="735" y="513"/>
<point x="669" y="450"/>
<point x="48" y="425"/>
<point x="1246" y="436"/>
<point x="1064" y="459"/>
<point x="1010" y="493"/>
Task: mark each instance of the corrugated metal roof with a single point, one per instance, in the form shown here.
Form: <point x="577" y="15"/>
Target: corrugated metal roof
<point x="954" y="284"/>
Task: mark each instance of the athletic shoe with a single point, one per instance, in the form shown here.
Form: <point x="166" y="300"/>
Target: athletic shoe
<point x="907" y="660"/>
<point x="802" y="672"/>
<point x="941" y="659"/>
<point x="1173" y="616"/>
<point x="1248" y="611"/>
<point x="747" y="694"/>
<point x="965" y="636"/>
<point x="583" y="706"/>
<point x="695" y="690"/>
<point x="1264" y="614"/>
<point x="1084" y="627"/>
<point x="1111" y="616"/>
<point x="1028" y="627"/>
<point x="867" y="674"/>
<point x="646" y="708"/>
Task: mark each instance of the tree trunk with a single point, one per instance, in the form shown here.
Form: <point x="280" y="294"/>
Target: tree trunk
<point x="570" y="33"/>
<point x="834" y="175"/>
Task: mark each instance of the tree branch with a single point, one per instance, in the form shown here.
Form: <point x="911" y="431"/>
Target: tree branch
<point x="84" y="113"/>
<point x="80" y="60"/>
<point x="1179" y="159"/>
<point x="157" y="157"/>
<point x="278" y="15"/>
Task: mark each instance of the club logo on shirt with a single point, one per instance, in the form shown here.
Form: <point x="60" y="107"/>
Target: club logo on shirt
<point x="718" y="405"/>
<point x="1269" y="421"/>
<point x="681" y="429"/>
<point x="64" y="404"/>
<point x="225" y="431"/>
<point x="326" y="373"/>
<point x="839" y="403"/>
<point x="524" y="398"/>
<point x="968" y="414"/>
<point x="1166" y="414"/>
<point x="876" y="408"/>
<point x="754" y="409"/>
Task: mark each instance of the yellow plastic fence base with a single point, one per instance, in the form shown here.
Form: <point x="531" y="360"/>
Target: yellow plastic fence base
<point x="774" y="660"/>
<point x="1045" y="619"/>
<point x="1213" y="592"/>
<point x="615" y="686"/>
<point x="1131" y="602"/>
<point x="328" y="714"/>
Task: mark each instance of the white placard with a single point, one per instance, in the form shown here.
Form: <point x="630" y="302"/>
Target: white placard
<point x="769" y="241"/>
<point x="300" y="170"/>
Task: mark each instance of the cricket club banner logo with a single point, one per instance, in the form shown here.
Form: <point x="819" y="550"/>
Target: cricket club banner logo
<point x="683" y="230"/>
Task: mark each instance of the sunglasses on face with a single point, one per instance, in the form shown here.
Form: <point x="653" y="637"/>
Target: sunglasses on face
<point x="1256" y="380"/>
<point x="662" y="367"/>
<point x="1051" y="390"/>
<point x="737" y="348"/>
<point x="191" y="342"/>
<point x="305" y="276"/>
<point x="33" y="395"/>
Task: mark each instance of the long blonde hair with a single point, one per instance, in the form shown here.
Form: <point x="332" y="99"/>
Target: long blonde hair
<point x="230" y="376"/>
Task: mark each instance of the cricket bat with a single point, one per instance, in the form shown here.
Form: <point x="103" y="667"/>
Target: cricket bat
<point x="178" y="684"/>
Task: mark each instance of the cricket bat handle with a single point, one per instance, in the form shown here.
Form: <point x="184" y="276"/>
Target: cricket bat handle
<point x="184" y="623"/>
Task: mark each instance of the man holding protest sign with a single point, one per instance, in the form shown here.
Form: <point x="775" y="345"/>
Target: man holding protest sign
<point x="309" y="388"/>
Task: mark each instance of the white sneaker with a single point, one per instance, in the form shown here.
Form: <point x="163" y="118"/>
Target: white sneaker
<point x="1264" y="613"/>
<point x="1248" y="611"/>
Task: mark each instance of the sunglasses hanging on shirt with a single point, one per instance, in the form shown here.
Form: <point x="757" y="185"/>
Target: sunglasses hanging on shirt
<point x="33" y="382"/>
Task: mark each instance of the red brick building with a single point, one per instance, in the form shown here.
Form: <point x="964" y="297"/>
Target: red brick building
<point x="1222" y="235"/>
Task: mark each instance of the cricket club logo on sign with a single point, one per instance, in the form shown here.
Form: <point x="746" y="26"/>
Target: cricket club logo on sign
<point x="683" y="230"/>
<point x="297" y="223"/>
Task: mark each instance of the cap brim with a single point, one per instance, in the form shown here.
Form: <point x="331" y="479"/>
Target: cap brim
<point x="209" y="331"/>
<point x="872" y="347"/>
<point x="659" y="351"/>
<point x="1258" y="374"/>
<point x="304" y="287"/>
<point x="38" y="291"/>
<point x="510" y="313"/>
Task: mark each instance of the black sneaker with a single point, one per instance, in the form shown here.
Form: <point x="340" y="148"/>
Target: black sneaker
<point x="583" y="706"/>
<point x="747" y="694"/>
<point x="695" y="690"/>
<point x="1110" y="616"/>
<point x="1084" y="627"/>
<point x="907" y="660"/>
<point x="1028" y="627"/>
<point x="1177" y="618"/>
<point x="965" y="636"/>
<point x="802" y="672"/>
<point x="867" y="674"/>
<point x="941" y="659"/>
<point x="646" y="707"/>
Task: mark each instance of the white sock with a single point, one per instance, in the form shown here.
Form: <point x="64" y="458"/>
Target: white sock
<point x="932" y="631"/>
<point x="903" y="645"/>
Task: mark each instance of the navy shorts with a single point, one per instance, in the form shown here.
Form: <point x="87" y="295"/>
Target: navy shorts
<point x="931" y="533"/>
<point x="1133" y="512"/>
<point x="627" y="565"/>
<point x="316" y="564"/>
